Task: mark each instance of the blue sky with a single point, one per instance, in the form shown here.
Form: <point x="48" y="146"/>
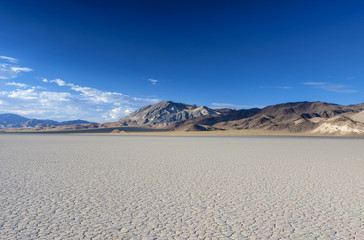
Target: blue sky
<point x="100" y="60"/>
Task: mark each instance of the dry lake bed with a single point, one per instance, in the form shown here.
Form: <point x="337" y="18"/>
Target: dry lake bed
<point x="150" y="187"/>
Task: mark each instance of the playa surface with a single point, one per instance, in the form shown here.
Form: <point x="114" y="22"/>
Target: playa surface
<point x="156" y="187"/>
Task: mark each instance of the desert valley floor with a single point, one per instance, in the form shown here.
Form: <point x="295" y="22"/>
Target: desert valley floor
<point x="157" y="187"/>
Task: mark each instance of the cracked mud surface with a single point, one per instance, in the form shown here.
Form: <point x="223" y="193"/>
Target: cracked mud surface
<point x="145" y="187"/>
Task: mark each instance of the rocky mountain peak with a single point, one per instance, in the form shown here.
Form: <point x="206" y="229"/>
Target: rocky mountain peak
<point x="164" y="113"/>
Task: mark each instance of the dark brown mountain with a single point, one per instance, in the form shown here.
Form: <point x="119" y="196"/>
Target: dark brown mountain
<point x="225" y="115"/>
<point x="294" y="117"/>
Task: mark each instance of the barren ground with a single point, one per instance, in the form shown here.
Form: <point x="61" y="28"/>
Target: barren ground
<point x="155" y="187"/>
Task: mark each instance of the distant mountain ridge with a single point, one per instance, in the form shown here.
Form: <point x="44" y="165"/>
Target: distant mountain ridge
<point x="298" y="117"/>
<point x="291" y="117"/>
<point x="10" y="120"/>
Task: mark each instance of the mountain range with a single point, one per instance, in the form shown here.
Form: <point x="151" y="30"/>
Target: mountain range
<point x="9" y="120"/>
<point x="165" y="113"/>
<point x="296" y="117"/>
<point x="313" y="117"/>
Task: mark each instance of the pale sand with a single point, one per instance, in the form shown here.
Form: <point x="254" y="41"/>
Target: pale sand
<point x="233" y="133"/>
<point x="150" y="187"/>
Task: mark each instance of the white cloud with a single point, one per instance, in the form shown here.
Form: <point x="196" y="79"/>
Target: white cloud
<point x="55" y="96"/>
<point x="97" y="96"/>
<point x="280" y="87"/>
<point x="36" y="103"/>
<point x="6" y="72"/>
<point x="66" y="101"/>
<point x="23" y="85"/>
<point x="74" y="101"/>
<point x="153" y="81"/>
<point x="27" y="94"/>
<point x="9" y="71"/>
<point x="31" y="113"/>
<point x="331" y="87"/>
<point x="117" y="113"/>
<point x="60" y="82"/>
<point x="235" y="106"/>
<point x="315" y="83"/>
<point x="21" y="69"/>
<point x="41" y="96"/>
<point x="9" y="59"/>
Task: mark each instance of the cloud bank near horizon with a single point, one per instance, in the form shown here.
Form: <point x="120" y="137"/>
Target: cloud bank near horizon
<point x="60" y="100"/>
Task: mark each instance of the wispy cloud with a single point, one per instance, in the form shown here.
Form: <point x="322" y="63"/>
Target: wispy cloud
<point x="314" y="83"/>
<point x="60" y="82"/>
<point x="22" y="85"/>
<point x="9" y="59"/>
<point x="279" y="87"/>
<point x="331" y="87"/>
<point x="285" y="87"/>
<point x="9" y="70"/>
<point x="21" y="69"/>
<point x="96" y="96"/>
<point x="27" y="94"/>
<point x="153" y="81"/>
<point x="235" y="106"/>
<point x="65" y="100"/>
<point x="71" y="100"/>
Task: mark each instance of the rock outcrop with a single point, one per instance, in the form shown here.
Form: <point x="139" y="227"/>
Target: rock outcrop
<point x="164" y="113"/>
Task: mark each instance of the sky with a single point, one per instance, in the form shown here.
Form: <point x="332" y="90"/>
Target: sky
<point x="101" y="60"/>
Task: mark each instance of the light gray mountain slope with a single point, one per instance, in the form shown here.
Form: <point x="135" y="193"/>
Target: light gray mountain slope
<point x="164" y="113"/>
